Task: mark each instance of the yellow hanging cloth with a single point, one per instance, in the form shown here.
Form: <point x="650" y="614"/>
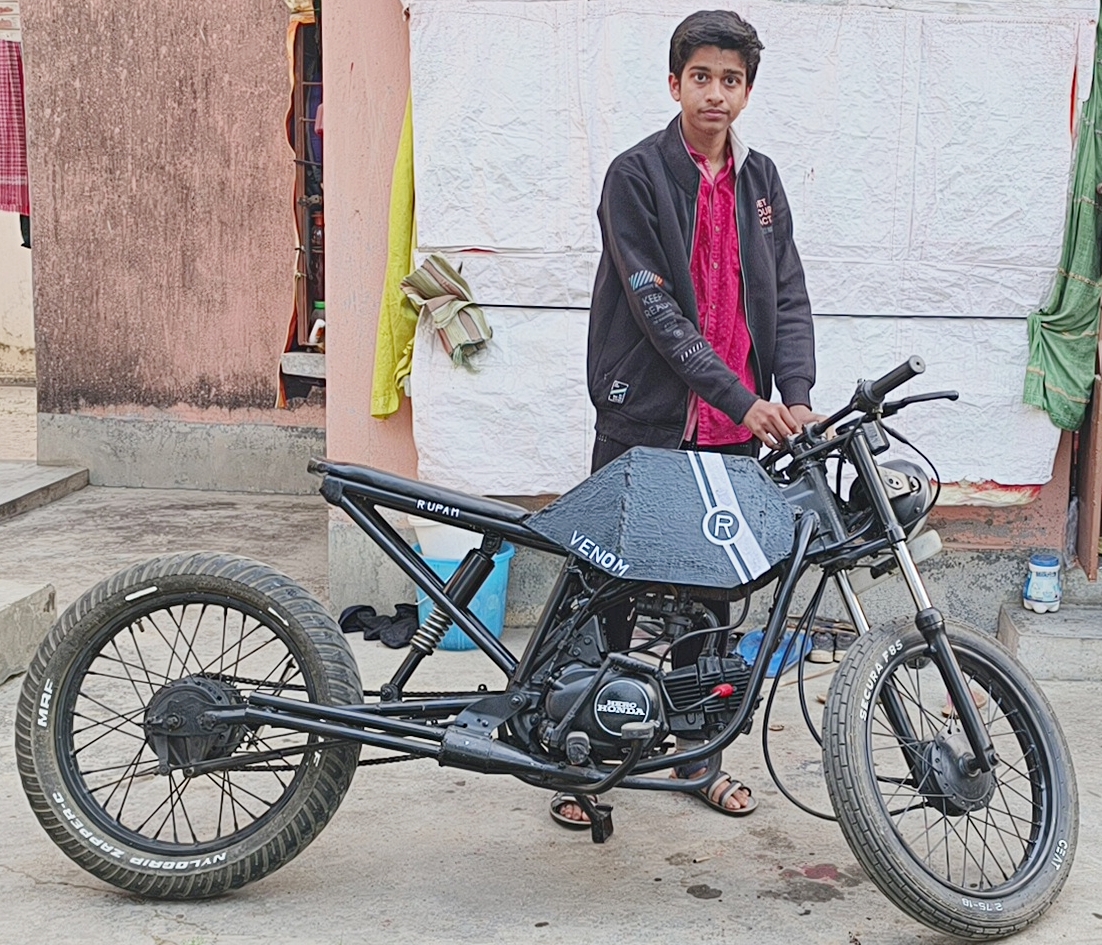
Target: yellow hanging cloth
<point x="397" y="314"/>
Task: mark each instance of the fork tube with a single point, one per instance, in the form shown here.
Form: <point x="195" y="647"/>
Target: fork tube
<point x="910" y="574"/>
<point x="870" y="474"/>
<point x="929" y="620"/>
<point x="889" y="697"/>
<point x="852" y="602"/>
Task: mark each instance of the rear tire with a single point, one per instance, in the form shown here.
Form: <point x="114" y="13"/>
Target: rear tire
<point x="168" y="639"/>
<point x="978" y="857"/>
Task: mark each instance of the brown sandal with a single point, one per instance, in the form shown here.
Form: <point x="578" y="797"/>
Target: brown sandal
<point x="705" y="794"/>
<point x="559" y="801"/>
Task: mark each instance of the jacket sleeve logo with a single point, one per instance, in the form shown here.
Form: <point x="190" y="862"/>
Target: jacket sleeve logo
<point x="619" y="392"/>
<point x="765" y="211"/>
<point x="644" y="279"/>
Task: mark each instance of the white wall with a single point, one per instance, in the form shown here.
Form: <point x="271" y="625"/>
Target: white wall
<point x="925" y="146"/>
<point x="16" y="313"/>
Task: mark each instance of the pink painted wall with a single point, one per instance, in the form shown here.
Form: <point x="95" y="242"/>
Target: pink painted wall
<point x="162" y="187"/>
<point x="366" y="55"/>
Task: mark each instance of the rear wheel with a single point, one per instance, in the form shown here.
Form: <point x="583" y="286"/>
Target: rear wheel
<point x="979" y="856"/>
<point x="120" y="763"/>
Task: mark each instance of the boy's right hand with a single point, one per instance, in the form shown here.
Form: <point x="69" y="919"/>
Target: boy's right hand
<point x="770" y="422"/>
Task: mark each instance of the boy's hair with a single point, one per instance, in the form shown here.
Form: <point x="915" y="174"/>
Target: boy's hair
<point x="722" y="28"/>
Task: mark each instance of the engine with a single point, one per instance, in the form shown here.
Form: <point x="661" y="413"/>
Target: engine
<point x="694" y="709"/>
<point x="583" y="715"/>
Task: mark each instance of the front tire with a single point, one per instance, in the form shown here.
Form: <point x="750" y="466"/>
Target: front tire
<point x="979" y="857"/>
<point x="199" y="811"/>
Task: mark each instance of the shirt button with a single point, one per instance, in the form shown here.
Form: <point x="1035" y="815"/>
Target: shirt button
<point x="715" y="265"/>
<point x="717" y="229"/>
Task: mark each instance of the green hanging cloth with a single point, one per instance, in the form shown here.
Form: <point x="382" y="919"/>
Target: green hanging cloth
<point x="1063" y="338"/>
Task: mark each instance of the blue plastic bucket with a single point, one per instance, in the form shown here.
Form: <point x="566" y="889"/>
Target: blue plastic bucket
<point x="488" y="604"/>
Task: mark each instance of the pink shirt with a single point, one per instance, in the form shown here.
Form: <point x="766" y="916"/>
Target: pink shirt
<point x="717" y="281"/>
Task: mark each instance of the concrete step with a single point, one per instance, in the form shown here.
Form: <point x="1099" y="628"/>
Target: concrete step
<point x="27" y="611"/>
<point x="26" y="486"/>
<point x="1064" y="645"/>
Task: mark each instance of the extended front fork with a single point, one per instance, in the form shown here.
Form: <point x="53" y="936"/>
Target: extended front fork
<point x="930" y="623"/>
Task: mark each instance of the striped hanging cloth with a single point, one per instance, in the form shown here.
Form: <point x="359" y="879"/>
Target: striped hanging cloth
<point x="440" y="293"/>
<point x="15" y="193"/>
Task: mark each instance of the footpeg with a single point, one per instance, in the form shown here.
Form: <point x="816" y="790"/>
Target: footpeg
<point x="600" y="818"/>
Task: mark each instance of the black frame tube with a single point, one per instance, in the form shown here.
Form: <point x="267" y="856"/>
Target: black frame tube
<point x="400" y="552"/>
<point x="512" y="531"/>
<point x="400" y="735"/>
<point x="778" y="615"/>
<point x="402" y="743"/>
<point x="334" y="713"/>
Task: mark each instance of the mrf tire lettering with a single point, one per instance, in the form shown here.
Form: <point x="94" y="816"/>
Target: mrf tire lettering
<point x="179" y="874"/>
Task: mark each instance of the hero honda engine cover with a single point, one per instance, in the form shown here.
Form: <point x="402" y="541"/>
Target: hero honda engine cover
<point x="624" y="700"/>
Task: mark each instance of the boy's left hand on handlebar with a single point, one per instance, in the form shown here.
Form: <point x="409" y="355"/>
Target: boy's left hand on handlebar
<point x="804" y="415"/>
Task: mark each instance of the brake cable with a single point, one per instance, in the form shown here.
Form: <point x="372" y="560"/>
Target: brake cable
<point x="802" y="631"/>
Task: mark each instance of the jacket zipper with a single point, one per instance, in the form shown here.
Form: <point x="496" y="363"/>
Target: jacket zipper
<point x="700" y="327"/>
<point x="746" y="297"/>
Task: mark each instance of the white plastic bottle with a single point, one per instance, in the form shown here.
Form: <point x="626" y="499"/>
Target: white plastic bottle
<point x="1042" y="590"/>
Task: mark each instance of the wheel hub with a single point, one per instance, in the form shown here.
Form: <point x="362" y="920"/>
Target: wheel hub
<point x="948" y="784"/>
<point x="178" y="731"/>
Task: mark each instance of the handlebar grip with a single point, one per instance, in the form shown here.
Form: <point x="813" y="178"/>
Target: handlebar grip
<point x="882" y="386"/>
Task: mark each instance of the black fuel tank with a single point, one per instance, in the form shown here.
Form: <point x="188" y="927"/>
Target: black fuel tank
<point x="672" y="516"/>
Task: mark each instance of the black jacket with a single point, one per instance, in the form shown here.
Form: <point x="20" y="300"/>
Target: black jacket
<point x="645" y="346"/>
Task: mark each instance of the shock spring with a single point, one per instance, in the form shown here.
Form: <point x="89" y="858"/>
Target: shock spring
<point x="431" y="632"/>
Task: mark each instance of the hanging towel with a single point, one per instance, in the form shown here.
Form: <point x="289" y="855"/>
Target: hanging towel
<point x="443" y="295"/>
<point x="397" y="314"/>
<point x="1063" y="338"/>
<point x="15" y="192"/>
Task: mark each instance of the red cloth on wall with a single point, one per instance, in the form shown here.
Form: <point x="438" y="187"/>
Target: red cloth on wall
<point x="15" y="191"/>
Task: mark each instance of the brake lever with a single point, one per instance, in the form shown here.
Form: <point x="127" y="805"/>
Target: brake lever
<point x="893" y="407"/>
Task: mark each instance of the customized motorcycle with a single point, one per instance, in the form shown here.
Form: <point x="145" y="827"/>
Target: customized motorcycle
<point x="192" y="723"/>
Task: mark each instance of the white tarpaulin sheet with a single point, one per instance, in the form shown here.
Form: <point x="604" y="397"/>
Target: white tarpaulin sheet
<point x="925" y="147"/>
<point x="523" y="425"/>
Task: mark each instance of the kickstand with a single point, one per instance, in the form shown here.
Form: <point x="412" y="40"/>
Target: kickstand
<point x="600" y="818"/>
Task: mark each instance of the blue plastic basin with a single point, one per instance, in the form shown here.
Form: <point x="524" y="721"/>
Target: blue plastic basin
<point x="488" y="604"/>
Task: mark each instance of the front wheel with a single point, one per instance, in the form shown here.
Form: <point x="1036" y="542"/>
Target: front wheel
<point x="122" y="763"/>
<point x="978" y="856"/>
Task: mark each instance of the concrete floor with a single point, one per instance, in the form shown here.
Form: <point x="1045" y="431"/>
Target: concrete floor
<point x="421" y="854"/>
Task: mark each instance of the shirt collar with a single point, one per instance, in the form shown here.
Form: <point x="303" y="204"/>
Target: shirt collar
<point x="701" y="160"/>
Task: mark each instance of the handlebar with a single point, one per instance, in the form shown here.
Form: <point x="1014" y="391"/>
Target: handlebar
<point x="876" y="391"/>
<point x="870" y="394"/>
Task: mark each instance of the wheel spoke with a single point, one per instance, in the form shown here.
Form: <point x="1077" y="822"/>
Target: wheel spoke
<point x="183" y="653"/>
<point x="109" y="730"/>
<point x="971" y="844"/>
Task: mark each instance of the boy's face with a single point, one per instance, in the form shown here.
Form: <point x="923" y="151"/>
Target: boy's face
<point x="712" y="90"/>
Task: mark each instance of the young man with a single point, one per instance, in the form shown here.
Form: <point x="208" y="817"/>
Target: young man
<point x="699" y="304"/>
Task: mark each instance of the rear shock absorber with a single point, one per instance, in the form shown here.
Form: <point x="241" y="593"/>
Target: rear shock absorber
<point x="461" y="588"/>
<point x="431" y="632"/>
